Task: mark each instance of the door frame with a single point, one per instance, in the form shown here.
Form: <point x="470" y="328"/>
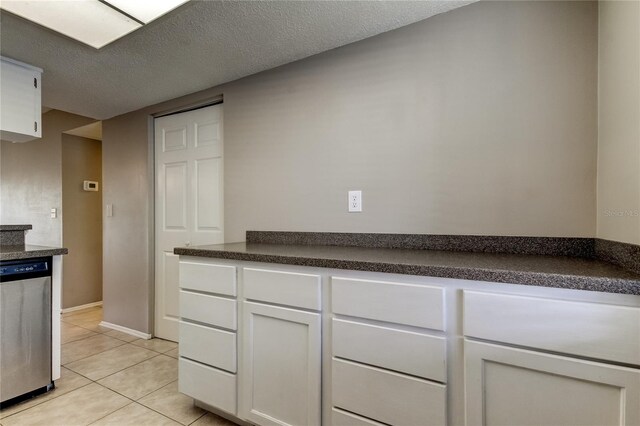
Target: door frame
<point x="151" y="176"/>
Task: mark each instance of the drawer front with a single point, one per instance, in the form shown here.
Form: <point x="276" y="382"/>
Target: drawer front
<point x="286" y="288"/>
<point x="342" y="418"/>
<point x="387" y="397"/>
<point x="416" y="305"/>
<point x="591" y="330"/>
<point x="220" y="279"/>
<point x="208" y="345"/>
<point x="412" y="353"/>
<point x="212" y="310"/>
<point x="214" y="387"/>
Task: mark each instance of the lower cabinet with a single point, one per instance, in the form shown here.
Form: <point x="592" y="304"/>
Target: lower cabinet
<point x="281" y="365"/>
<point x="414" y="352"/>
<point x="511" y="386"/>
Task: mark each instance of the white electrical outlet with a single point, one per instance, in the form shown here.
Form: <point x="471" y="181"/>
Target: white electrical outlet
<point x="355" y="201"/>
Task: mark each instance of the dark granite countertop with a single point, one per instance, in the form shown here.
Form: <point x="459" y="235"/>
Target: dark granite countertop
<point x="15" y="227"/>
<point x="537" y="270"/>
<point x="28" y="251"/>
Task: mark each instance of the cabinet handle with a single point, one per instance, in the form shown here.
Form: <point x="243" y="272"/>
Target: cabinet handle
<point x="35" y="126"/>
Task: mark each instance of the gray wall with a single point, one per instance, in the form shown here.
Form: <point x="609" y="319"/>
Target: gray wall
<point x="619" y="121"/>
<point x="82" y="221"/>
<point x="31" y="179"/>
<point x="127" y="173"/>
<point x="478" y="121"/>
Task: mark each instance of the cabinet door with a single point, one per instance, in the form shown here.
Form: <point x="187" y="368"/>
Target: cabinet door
<point x="20" y="109"/>
<point x="509" y="386"/>
<point x="280" y="365"/>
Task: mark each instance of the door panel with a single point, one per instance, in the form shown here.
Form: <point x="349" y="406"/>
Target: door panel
<point x="175" y="200"/>
<point x="174" y="139"/>
<point x="208" y="134"/>
<point x="510" y="386"/>
<point x="171" y="267"/>
<point x="189" y="199"/>
<point x="207" y="197"/>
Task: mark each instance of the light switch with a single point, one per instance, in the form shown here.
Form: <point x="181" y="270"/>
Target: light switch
<point x="109" y="210"/>
<point x="54" y="213"/>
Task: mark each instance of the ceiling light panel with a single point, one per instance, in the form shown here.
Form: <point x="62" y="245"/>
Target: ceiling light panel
<point x="88" y="21"/>
<point x="146" y="10"/>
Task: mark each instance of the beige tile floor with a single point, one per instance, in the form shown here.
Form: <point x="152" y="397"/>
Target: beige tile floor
<point x="111" y="378"/>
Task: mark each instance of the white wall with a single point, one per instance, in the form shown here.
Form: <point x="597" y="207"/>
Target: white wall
<point x="477" y="121"/>
<point x="619" y="121"/>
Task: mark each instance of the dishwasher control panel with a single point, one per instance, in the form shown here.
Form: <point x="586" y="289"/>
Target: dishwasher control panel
<point x="23" y="268"/>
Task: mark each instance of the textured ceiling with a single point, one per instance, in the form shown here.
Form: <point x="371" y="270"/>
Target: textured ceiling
<point x="199" y="45"/>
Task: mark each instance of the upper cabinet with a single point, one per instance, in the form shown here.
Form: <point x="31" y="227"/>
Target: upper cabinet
<point x="20" y="94"/>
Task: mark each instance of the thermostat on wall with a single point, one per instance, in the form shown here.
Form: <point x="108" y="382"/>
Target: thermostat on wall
<point x="90" y="185"/>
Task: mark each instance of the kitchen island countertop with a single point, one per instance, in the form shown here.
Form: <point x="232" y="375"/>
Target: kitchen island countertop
<point x="536" y="270"/>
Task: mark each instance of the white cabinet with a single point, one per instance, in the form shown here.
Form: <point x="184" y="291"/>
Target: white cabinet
<point x="281" y="348"/>
<point x="508" y="385"/>
<point x="208" y="343"/>
<point x="280" y="365"/>
<point x="289" y="345"/>
<point x="511" y="386"/>
<point x="381" y="371"/>
<point x="20" y="110"/>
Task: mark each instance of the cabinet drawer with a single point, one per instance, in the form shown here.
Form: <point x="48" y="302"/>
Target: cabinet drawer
<point x="342" y="418"/>
<point x="586" y="329"/>
<point x="417" y="305"/>
<point x="387" y="397"/>
<point x="286" y="288"/>
<point x="208" y="277"/>
<point x="214" y="387"/>
<point x="412" y="353"/>
<point x="212" y="310"/>
<point x="208" y="345"/>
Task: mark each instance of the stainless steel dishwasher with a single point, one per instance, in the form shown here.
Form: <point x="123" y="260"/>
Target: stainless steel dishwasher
<point x="25" y="329"/>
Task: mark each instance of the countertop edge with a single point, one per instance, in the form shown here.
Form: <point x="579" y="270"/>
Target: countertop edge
<point x="29" y="254"/>
<point x="539" y="279"/>
<point x="15" y="227"/>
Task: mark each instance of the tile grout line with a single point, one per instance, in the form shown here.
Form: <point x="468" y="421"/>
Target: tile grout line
<point x="203" y="414"/>
<point x="114" y="347"/>
<point x="137" y="401"/>
<point x="111" y="374"/>
<point x="47" y="400"/>
<point x="142" y="405"/>
<point x="89" y="356"/>
<point x="170" y="418"/>
<point x="91" y="381"/>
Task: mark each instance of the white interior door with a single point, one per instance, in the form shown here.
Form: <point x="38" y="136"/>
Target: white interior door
<point x="188" y="200"/>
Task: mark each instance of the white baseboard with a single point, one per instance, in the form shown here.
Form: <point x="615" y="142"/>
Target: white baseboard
<point x="81" y="307"/>
<point x="132" y="332"/>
